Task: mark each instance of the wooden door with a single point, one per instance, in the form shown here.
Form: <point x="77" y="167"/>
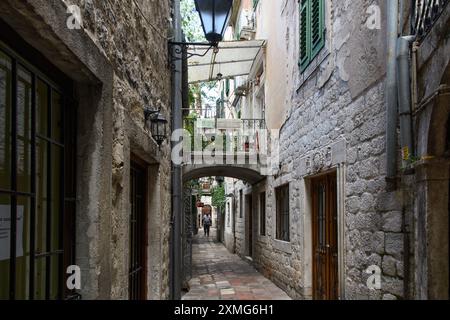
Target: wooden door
<point x="138" y="243"/>
<point x="325" y="246"/>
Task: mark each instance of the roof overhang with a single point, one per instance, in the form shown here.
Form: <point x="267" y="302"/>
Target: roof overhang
<point x="232" y="59"/>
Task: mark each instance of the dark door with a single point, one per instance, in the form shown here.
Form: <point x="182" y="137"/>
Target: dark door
<point x="249" y="208"/>
<point x="325" y="249"/>
<point x="137" y="282"/>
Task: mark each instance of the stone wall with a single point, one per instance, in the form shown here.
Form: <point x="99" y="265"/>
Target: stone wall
<point x="119" y="65"/>
<point x="337" y="104"/>
<point x="133" y="36"/>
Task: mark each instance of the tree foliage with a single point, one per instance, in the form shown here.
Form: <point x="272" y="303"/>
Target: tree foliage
<point x="191" y="24"/>
<point x="218" y="196"/>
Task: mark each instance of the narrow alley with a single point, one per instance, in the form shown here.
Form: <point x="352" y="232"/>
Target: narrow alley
<point x="311" y="136"/>
<point x="221" y="275"/>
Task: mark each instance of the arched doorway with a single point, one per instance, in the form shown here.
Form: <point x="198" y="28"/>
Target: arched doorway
<point x="432" y="201"/>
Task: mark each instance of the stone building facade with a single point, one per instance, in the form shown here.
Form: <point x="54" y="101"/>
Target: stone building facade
<point x="116" y="62"/>
<point x="332" y="122"/>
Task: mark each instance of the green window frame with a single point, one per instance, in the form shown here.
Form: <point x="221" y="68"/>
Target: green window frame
<point x="312" y="30"/>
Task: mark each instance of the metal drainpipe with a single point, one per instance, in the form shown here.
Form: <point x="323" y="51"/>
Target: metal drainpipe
<point x="177" y="212"/>
<point x="391" y="89"/>
<point x="404" y="95"/>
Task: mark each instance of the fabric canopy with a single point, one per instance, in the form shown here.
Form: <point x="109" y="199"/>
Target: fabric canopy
<point x="232" y="59"/>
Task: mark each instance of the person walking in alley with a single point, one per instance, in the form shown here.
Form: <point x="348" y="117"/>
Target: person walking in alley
<point x="207" y="224"/>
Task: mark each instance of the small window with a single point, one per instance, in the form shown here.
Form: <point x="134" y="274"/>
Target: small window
<point x="312" y="30"/>
<point x="241" y="207"/>
<point x="228" y="214"/>
<point x="262" y="214"/>
<point x="282" y="200"/>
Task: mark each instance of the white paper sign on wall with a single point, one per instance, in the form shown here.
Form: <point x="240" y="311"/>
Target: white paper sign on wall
<point x="5" y="232"/>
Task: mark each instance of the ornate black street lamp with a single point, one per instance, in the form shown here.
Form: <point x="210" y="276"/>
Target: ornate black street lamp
<point x="158" y="125"/>
<point x="214" y="16"/>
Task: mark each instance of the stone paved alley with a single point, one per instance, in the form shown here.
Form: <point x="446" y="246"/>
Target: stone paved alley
<point x="219" y="275"/>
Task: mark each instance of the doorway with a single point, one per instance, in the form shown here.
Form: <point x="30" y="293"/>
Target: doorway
<point x="138" y="221"/>
<point x="249" y="216"/>
<point x="325" y="237"/>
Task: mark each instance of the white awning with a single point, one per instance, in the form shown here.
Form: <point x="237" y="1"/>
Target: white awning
<point x="232" y="59"/>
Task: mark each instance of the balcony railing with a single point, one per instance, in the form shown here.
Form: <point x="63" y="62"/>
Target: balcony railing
<point x="425" y="14"/>
<point x="246" y="135"/>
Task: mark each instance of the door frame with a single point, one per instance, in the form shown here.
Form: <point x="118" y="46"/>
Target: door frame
<point x="143" y="167"/>
<point x="306" y="190"/>
<point x="329" y="181"/>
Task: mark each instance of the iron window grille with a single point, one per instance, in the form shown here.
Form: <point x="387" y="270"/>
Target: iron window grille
<point x="37" y="180"/>
<point x="425" y="13"/>
<point x="282" y="203"/>
<point x="262" y="214"/>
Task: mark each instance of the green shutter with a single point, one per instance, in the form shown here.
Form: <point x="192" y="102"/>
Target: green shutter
<point x="305" y="34"/>
<point x="312" y="30"/>
<point x="317" y="26"/>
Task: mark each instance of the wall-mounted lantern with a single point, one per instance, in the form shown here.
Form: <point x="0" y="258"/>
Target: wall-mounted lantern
<point x="158" y="125"/>
<point x="214" y="15"/>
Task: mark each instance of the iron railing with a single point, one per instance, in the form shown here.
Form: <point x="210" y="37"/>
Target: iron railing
<point x="245" y="138"/>
<point x="425" y="14"/>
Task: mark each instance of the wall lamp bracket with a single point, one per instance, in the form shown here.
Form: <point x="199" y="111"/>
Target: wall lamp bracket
<point x="185" y="50"/>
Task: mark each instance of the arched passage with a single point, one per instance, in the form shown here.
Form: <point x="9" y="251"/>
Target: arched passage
<point x="249" y="173"/>
<point x="432" y="196"/>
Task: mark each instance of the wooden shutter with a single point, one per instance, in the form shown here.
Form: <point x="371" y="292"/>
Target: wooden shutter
<point x="317" y="26"/>
<point x="305" y="34"/>
<point x="312" y="30"/>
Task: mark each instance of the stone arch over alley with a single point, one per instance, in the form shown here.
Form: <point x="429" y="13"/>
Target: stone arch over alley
<point x="248" y="173"/>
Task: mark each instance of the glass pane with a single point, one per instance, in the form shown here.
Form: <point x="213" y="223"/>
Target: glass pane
<point x="222" y="10"/>
<point x="5" y="216"/>
<point x="23" y="248"/>
<point x="39" y="279"/>
<point x="41" y="108"/>
<point x="5" y="121"/>
<point x="206" y="14"/>
<point x="57" y="121"/>
<point x="41" y="195"/>
<point x="56" y="195"/>
<point x="54" y="274"/>
<point x="23" y="130"/>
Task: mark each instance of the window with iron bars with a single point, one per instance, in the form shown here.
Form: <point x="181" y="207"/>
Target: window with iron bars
<point x="37" y="176"/>
<point x="282" y="203"/>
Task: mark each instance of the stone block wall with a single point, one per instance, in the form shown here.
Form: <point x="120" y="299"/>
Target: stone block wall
<point x="134" y="36"/>
<point x="118" y="61"/>
<point x="337" y="104"/>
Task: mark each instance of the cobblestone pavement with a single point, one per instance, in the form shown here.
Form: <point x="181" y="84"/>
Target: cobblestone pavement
<point x="219" y="275"/>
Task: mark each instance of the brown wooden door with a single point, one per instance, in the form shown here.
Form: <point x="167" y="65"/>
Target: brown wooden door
<point x="325" y="246"/>
<point x="138" y="221"/>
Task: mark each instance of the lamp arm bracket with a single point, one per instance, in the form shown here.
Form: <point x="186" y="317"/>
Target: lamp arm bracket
<point x="177" y="50"/>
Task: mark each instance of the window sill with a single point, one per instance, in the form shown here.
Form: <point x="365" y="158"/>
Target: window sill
<point x="263" y="239"/>
<point x="313" y="67"/>
<point x="283" y="246"/>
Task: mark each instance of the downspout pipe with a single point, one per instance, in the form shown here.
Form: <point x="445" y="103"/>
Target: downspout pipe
<point x="177" y="200"/>
<point x="404" y="95"/>
<point x="391" y="90"/>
